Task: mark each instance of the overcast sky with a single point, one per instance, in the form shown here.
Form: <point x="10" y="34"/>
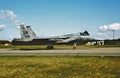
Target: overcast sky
<point x="58" y="17"/>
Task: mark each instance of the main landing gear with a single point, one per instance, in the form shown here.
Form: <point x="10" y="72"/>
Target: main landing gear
<point x="50" y="46"/>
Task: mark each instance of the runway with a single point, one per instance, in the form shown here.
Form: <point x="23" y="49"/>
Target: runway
<point x="114" y="51"/>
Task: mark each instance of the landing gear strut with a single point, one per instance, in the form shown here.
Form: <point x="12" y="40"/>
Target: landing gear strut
<point x="50" y="46"/>
<point x="75" y="44"/>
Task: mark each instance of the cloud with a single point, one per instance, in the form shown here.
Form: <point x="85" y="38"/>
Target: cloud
<point x="10" y="16"/>
<point x="99" y="34"/>
<point x="2" y="26"/>
<point x="114" y="26"/>
<point x="103" y="28"/>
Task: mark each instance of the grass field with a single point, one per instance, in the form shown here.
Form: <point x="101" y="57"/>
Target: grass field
<point x="59" y="67"/>
<point x="56" y="46"/>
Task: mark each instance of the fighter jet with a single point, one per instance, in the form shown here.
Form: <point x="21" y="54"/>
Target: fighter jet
<point x="28" y="37"/>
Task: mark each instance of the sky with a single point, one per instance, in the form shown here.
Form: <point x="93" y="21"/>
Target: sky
<point x="59" y="17"/>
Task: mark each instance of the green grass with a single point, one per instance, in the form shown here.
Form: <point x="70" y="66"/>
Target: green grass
<point x="56" y="46"/>
<point x="24" y="46"/>
<point x="59" y="67"/>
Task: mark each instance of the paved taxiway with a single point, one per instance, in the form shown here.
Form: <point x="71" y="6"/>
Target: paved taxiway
<point x="114" y="51"/>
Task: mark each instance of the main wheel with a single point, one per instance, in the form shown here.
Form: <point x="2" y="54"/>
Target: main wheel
<point x="50" y="47"/>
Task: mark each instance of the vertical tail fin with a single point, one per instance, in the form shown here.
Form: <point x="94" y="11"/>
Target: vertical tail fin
<point x="85" y="33"/>
<point x="31" y="33"/>
<point x="24" y="33"/>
